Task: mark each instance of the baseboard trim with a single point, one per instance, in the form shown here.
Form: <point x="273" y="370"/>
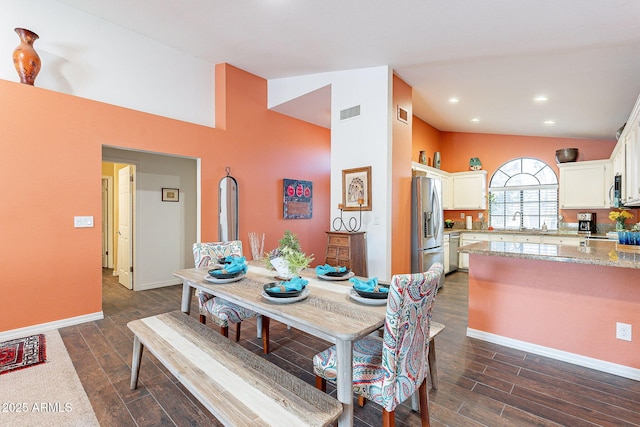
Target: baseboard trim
<point x="155" y="285"/>
<point x="56" y="324"/>
<point x="576" y="359"/>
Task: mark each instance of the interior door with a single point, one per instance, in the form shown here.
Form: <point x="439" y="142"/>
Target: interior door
<point x="125" y="221"/>
<point x="106" y="213"/>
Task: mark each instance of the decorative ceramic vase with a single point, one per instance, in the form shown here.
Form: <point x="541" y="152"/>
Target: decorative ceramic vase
<point x="423" y="158"/>
<point x="25" y="57"/>
<point x="475" y="164"/>
<point x="436" y="160"/>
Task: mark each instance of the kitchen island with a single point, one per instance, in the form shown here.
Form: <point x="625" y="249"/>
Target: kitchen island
<point x="560" y="301"/>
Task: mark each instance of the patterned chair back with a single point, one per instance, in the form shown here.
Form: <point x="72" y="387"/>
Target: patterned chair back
<point x="406" y="334"/>
<point x="205" y="254"/>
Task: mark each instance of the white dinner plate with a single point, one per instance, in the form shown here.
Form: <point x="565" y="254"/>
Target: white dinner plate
<point x="345" y="277"/>
<point x="303" y="295"/>
<point x="212" y="279"/>
<point x="368" y="301"/>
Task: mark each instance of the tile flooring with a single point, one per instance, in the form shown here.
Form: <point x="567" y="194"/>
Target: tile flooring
<point x="479" y="383"/>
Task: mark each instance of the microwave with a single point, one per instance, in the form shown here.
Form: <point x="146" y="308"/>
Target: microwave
<point x="615" y="192"/>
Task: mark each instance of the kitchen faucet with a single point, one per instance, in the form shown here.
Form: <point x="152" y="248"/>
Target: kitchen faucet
<point x="514" y="218"/>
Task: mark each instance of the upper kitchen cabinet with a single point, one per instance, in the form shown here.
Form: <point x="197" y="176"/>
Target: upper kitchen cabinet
<point x="469" y="190"/>
<point x="631" y="175"/>
<point x="460" y="190"/>
<point x="447" y="189"/>
<point x="626" y="158"/>
<point x="585" y="184"/>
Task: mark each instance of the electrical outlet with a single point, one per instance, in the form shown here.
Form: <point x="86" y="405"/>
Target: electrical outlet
<point x="623" y="331"/>
<point x="462" y="215"/>
<point x="480" y="215"/>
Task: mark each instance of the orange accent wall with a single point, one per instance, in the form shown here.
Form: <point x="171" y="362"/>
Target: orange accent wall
<point x="495" y="150"/>
<point x="401" y="180"/>
<point x="565" y="306"/>
<point x="51" y="165"/>
<point x="425" y="138"/>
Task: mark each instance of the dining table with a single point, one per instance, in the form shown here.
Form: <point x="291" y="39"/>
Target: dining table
<point x="328" y="308"/>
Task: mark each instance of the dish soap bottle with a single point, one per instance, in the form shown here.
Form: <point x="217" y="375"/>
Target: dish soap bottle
<point x="544" y="226"/>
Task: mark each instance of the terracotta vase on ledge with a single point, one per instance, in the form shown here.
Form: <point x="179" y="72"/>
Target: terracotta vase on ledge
<point x="25" y="57"/>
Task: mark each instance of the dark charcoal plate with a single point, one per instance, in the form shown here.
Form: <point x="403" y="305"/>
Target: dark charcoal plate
<point x="222" y="260"/>
<point x="338" y="274"/>
<point x="216" y="273"/>
<point x="375" y="295"/>
<point x="287" y="294"/>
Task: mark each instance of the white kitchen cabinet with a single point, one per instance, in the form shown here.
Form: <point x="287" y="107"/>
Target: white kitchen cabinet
<point x="627" y="152"/>
<point x="446" y="253"/>
<point x="585" y="184"/>
<point x="470" y="190"/>
<point x="501" y="238"/>
<point x="443" y="176"/>
<point x="632" y="167"/>
<point x="469" y="239"/>
<point x="447" y="192"/>
<point x="527" y="238"/>
<point x="561" y="240"/>
<point x="460" y="190"/>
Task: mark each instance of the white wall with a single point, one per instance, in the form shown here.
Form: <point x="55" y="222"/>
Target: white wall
<point x="164" y="231"/>
<point x="87" y="57"/>
<point x="357" y="142"/>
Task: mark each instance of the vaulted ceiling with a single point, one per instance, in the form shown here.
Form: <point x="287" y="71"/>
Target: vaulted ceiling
<point x="494" y="56"/>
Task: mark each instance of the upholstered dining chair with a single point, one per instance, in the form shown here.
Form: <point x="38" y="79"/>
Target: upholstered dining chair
<point x="219" y="310"/>
<point x="390" y="369"/>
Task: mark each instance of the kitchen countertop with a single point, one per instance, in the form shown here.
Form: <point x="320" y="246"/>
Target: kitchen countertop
<point x="558" y="233"/>
<point x="596" y="252"/>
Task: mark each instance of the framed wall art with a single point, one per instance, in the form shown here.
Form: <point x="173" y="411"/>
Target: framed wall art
<point x="356" y="189"/>
<point x="170" y="194"/>
<point x="298" y="199"/>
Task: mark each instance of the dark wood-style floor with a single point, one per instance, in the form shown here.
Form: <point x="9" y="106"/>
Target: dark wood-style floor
<point x="479" y="383"/>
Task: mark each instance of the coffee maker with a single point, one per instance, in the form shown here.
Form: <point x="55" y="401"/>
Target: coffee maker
<point x="587" y="222"/>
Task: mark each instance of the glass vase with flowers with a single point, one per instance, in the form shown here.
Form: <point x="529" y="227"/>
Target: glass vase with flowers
<point x="619" y="217"/>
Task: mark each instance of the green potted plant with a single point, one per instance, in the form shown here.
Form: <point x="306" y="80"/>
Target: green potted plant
<point x="288" y="259"/>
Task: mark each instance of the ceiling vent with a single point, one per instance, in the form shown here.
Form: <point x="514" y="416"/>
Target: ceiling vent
<point x="349" y="113"/>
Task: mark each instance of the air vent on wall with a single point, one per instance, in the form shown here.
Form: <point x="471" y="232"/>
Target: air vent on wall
<point x="349" y="113"/>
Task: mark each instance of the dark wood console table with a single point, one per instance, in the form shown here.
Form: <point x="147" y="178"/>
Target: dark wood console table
<point x="349" y="250"/>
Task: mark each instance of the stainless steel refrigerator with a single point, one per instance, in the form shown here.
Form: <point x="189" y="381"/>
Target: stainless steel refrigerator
<point x="427" y="224"/>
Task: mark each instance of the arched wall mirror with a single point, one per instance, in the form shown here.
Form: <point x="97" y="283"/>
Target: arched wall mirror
<point x="228" y="208"/>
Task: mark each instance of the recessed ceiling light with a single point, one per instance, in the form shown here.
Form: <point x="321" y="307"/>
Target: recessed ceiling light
<point x="541" y="98"/>
<point x="475" y="120"/>
<point x="453" y="100"/>
<point x="549" y="122"/>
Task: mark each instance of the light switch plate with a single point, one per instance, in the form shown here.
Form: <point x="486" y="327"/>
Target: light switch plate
<point x="82" y="221"/>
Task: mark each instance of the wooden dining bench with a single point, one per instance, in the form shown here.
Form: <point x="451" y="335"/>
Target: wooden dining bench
<point x="239" y="387"/>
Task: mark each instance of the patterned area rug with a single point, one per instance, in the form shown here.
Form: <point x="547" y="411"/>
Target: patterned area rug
<point x="22" y="353"/>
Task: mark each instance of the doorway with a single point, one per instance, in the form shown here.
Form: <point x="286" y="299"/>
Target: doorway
<point x="107" y="222"/>
<point x="118" y="242"/>
<point x="162" y="231"/>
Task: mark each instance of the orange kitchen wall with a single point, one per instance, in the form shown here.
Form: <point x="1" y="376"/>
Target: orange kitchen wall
<point x="401" y="180"/>
<point x="495" y="150"/>
<point x="425" y="138"/>
<point x="559" y="305"/>
<point x="51" y="166"/>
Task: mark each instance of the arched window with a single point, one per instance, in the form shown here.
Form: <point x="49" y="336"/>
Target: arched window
<point x="523" y="193"/>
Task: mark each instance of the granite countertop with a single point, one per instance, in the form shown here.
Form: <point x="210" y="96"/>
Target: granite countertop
<point x="559" y="233"/>
<point x="607" y="253"/>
